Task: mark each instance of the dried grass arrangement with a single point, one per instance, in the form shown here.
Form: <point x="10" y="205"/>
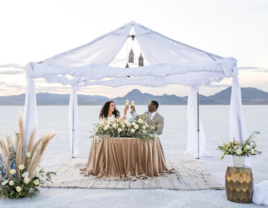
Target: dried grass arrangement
<point x="20" y="175"/>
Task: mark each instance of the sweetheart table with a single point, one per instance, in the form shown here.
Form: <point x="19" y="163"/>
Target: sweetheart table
<point x="126" y="159"/>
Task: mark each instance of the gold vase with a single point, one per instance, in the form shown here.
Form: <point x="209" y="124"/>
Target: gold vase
<point x="239" y="184"/>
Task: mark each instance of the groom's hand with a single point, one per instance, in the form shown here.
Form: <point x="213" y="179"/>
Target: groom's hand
<point x="126" y="109"/>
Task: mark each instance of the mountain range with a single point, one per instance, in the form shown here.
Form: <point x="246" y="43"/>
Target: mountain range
<point x="250" y="96"/>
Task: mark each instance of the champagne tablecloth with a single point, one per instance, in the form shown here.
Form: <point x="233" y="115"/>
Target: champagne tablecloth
<point x="125" y="159"/>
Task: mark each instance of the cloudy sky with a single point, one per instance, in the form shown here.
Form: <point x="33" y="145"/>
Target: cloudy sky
<point x="36" y="30"/>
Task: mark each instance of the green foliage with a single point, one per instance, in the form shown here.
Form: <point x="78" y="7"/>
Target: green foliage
<point x="122" y="128"/>
<point x="246" y="148"/>
<point x="29" y="189"/>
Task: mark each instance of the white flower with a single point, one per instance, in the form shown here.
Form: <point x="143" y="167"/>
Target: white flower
<point x="133" y="123"/>
<point x="106" y="127"/>
<point x="123" y="126"/>
<point x="128" y="124"/>
<point x="18" y="188"/>
<point x="4" y="182"/>
<point x="36" y="174"/>
<point x="26" y="180"/>
<point x="140" y="121"/>
<point x="235" y="147"/>
<point x="25" y="175"/>
<point x="43" y="170"/>
<point x="144" y="127"/>
<point x="28" y="154"/>
<point x="125" y="121"/>
<point x="252" y="151"/>
<point x="239" y="151"/>
<point x="136" y="126"/>
<point x="12" y="171"/>
<point x="21" y="167"/>
<point x="248" y="147"/>
<point x="146" y="124"/>
<point x="119" y="130"/>
<point x="114" y="125"/>
<point x="36" y="182"/>
<point x="132" y="130"/>
<point x="11" y="183"/>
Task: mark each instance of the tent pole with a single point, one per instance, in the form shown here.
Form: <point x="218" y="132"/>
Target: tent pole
<point x="73" y="134"/>
<point x="198" y="130"/>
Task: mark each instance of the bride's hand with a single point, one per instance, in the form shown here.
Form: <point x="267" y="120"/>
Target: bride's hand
<point x="126" y="109"/>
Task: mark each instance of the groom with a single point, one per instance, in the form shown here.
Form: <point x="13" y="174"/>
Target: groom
<point x="152" y="116"/>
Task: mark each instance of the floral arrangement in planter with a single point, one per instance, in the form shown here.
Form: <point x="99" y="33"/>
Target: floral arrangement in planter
<point x="240" y="150"/>
<point x="122" y="128"/>
<point x="20" y="175"/>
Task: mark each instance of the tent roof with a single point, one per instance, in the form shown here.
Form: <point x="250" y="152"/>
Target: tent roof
<point x="171" y="62"/>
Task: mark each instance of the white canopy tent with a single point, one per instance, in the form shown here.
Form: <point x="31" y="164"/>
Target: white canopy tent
<point x="171" y="62"/>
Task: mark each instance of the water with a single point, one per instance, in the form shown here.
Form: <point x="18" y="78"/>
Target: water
<point x="215" y="121"/>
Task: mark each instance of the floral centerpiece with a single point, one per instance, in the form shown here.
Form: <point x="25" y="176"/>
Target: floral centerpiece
<point x="240" y="150"/>
<point x="122" y="128"/>
<point x="19" y="172"/>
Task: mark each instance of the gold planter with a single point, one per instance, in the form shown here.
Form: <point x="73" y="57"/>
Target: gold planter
<point x="239" y="184"/>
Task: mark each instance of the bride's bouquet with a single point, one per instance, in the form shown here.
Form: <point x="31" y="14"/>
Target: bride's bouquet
<point x="122" y="128"/>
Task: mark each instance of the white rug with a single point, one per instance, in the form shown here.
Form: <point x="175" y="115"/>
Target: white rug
<point x="189" y="175"/>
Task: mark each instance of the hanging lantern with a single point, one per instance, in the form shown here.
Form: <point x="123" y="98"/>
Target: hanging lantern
<point x="141" y="60"/>
<point x="131" y="57"/>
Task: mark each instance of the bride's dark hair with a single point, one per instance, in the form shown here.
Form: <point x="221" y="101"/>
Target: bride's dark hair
<point x="105" y="110"/>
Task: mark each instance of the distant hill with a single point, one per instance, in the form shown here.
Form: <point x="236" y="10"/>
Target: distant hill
<point x="250" y="96"/>
<point x="53" y="99"/>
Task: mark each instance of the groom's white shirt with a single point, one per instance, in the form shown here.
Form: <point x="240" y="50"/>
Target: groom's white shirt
<point x="153" y="114"/>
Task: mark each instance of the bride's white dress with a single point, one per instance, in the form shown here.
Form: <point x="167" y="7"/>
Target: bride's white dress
<point x="111" y="118"/>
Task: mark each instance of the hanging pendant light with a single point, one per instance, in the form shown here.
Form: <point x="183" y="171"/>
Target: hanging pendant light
<point x="131" y="56"/>
<point x="141" y="60"/>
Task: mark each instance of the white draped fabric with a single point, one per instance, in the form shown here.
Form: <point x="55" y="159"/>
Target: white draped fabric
<point x="30" y="111"/>
<point x="237" y="125"/>
<point x="171" y="62"/>
<point x="260" y="194"/>
<point x="101" y="50"/>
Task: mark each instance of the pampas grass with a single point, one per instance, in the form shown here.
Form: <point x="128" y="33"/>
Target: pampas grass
<point x="30" y="146"/>
<point x="7" y="139"/>
<point x="20" y="153"/>
<point x="5" y="154"/>
<point x="36" y="148"/>
<point x="38" y="155"/>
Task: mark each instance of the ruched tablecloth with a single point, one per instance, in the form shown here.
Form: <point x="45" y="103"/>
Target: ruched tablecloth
<point x="125" y="159"/>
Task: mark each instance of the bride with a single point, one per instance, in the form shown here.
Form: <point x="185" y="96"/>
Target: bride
<point x="109" y="111"/>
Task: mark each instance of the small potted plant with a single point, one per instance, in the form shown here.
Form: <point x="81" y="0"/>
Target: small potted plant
<point x="240" y="150"/>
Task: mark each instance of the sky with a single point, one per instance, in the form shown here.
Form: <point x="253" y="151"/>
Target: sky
<point x="36" y="30"/>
